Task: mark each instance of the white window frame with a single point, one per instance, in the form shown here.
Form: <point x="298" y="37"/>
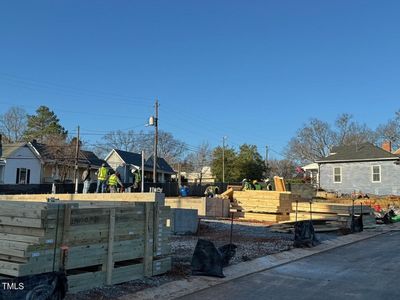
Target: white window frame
<point x="372" y="174"/>
<point x="341" y="175"/>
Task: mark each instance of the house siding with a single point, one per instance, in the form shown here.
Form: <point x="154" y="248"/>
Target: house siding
<point x="22" y="158"/>
<point x="357" y="176"/>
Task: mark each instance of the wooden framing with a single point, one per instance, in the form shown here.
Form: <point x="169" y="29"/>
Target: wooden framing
<point x="96" y="242"/>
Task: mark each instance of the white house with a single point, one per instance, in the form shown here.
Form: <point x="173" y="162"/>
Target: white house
<point x="34" y="163"/>
<point x="20" y="164"/>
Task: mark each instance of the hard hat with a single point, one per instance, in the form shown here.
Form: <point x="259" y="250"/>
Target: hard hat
<point x="254" y="181"/>
<point x="244" y="180"/>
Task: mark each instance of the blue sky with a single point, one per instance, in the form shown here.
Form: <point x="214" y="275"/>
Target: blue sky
<point x="254" y="71"/>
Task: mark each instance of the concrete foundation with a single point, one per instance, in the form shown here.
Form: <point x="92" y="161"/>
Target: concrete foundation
<point x="184" y="221"/>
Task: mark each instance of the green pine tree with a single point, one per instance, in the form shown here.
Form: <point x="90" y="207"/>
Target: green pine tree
<point x="44" y="126"/>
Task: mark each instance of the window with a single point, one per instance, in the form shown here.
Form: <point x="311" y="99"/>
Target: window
<point x="337" y="174"/>
<point x="23" y="176"/>
<point x="376" y="173"/>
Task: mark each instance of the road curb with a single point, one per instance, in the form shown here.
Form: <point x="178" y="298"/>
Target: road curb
<point x="184" y="287"/>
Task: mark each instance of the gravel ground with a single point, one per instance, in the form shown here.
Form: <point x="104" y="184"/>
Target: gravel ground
<point x="252" y="240"/>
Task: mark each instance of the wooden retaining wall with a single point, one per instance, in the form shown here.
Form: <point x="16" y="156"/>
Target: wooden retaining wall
<point x="97" y="243"/>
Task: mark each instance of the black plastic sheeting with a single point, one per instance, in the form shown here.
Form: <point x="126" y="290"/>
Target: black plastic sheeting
<point x="207" y="260"/>
<point x="387" y="218"/>
<point x="304" y="235"/>
<point x="357" y="224"/>
<point x="47" y="286"/>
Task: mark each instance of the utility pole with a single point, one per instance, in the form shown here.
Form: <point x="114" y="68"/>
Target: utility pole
<point x="155" y="142"/>
<point x="266" y="161"/>
<point x="142" y="170"/>
<point x="76" y="162"/>
<point x="179" y="177"/>
<point x="223" y="159"/>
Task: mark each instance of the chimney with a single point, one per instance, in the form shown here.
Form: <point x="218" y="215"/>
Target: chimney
<point x="387" y="146"/>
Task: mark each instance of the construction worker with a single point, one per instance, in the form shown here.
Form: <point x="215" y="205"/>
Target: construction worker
<point x="269" y="185"/>
<point x="86" y="180"/>
<point x="113" y="182"/>
<point x="211" y="191"/>
<point x="246" y="185"/>
<point x="137" y="179"/>
<point x="256" y="185"/>
<point x="101" y="179"/>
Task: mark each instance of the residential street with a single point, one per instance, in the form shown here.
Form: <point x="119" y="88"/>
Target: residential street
<point x="364" y="270"/>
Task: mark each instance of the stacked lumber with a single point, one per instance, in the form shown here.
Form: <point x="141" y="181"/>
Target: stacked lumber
<point x="97" y="243"/>
<point x="328" y="211"/>
<point x="279" y="184"/>
<point x="269" y="206"/>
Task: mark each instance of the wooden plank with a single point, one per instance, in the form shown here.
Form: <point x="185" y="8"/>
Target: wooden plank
<point x="110" y="264"/>
<point x="148" y="243"/>
<point x="23" y="222"/>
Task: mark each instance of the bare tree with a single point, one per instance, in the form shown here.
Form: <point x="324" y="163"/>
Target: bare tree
<point x="312" y="141"/>
<point x="284" y="168"/>
<point x="169" y="147"/>
<point x="126" y="141"/>
<point x="349" y="132"/>
<point x="13" y="124"/>
<point x="390" y="131"/>
<point x="196" y="161"/>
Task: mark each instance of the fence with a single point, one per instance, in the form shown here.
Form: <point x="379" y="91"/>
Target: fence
<point x="170" y="189"/>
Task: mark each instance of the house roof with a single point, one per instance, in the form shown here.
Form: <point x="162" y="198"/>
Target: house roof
<point x="361" y="152"/>
<point x="397" y="152"/>
<point x="92" y="158"/>
<point x="131" y="158"/>
<point x="161" y="164"/>
<point x="9" y="149"/>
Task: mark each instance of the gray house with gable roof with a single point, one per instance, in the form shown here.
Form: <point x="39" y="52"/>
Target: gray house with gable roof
<point x="124" y="161"/>
<point x="362" y="168"/>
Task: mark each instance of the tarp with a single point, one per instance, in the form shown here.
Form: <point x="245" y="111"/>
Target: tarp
<point x="207" y="260"/>
<point x="304" y="235"/>
<point x="47" y="286"/>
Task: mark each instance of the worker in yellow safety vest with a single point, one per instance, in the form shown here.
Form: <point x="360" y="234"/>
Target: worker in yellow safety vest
<point x="113" y="182"/>
<point x="101" y="179"/>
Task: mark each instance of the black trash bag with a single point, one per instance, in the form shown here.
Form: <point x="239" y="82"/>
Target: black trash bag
<point x="47" y="286"/>
<point x="227" y="252"/>
<point x="304" y="235"/>
<point x="387" y="218"/>
<point x="357" y="224"/>
<point x="207" y="260"/>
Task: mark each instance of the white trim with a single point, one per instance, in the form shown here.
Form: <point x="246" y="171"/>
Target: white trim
<point x="355" y="160"/>
<point x="372" y="174"/>
<point x="340" y="168"/>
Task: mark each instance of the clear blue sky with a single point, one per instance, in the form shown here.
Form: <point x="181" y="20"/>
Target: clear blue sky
<point x="254" y="71"/>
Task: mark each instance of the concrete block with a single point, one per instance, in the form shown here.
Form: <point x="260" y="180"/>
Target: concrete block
<point x="184" y="221"/>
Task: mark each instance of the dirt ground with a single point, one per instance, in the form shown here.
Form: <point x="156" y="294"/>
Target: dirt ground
<point x="252" y="240"/>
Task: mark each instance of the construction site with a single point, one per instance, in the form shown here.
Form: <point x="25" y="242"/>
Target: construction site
<point x="107" y="246"/>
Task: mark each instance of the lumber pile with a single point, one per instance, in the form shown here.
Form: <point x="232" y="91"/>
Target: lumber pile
<point x="279" y="184"/>
<point x="330" y="212"/>
<point x="270" y="206"/>
<point x="97" y="243"/>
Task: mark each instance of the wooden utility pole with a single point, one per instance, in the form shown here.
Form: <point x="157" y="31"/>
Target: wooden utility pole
<point x="76" y="162"/>
<point x="266" y="160"/>
<point x="155" y="142"/>
<point x="179" y="176"/>
<point x="223" y="159"/>
<point x="142" y="183"/>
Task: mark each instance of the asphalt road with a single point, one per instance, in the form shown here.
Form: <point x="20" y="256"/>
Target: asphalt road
<point x="369" y="269"/>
